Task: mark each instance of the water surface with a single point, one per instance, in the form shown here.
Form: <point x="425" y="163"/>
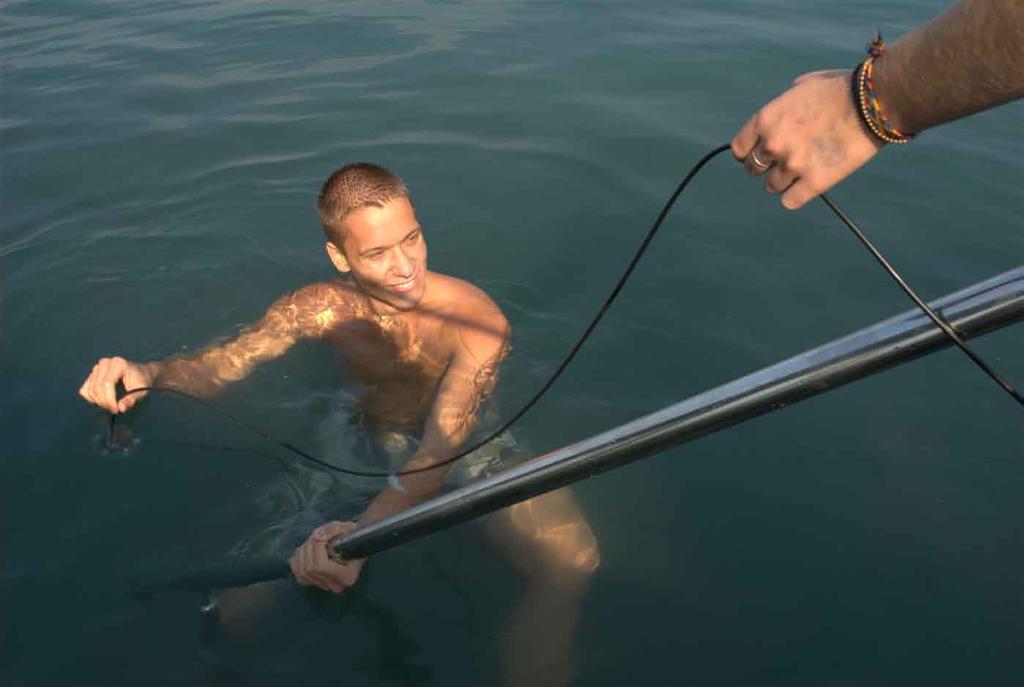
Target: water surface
<point x="159" y="168"/>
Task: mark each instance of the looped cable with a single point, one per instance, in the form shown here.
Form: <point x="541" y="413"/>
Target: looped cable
<point x="938" y="320"/>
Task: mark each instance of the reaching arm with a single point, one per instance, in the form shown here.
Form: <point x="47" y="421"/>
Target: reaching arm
<point x="810" y="138"/>
<point x="306" y="313"/>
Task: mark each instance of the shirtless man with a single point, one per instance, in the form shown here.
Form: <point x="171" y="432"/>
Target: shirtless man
<point x="427" y="347"/>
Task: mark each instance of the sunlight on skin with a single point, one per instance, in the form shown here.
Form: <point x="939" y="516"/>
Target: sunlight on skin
<point x="550" y="542"/>
<point x="427" y="349"/>
<point x="565" y="538"/>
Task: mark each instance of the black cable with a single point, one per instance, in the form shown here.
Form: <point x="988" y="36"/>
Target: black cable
<point x="526" y="407"/>
<point x="941" y="323"/>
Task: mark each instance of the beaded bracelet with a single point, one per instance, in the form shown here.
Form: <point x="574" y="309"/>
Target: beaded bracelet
<point x="868" y="106"/>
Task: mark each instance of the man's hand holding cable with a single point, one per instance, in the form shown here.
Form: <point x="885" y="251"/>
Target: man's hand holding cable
<point x="100" y="387"/>
<point x="806" y="140"/>
<point x="312" y="563"/>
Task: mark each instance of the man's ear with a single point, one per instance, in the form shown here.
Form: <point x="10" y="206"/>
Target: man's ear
<point x="337" y="257"/>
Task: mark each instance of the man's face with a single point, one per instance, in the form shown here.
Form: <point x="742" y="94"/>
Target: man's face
<point x="385" y="251"/>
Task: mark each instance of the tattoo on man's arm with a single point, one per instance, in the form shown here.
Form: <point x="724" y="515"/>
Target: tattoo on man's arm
<point x="481" y="386"/>
<point x="307" y="313"/>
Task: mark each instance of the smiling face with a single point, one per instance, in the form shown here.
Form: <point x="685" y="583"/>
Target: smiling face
<point x="384" y="250"/>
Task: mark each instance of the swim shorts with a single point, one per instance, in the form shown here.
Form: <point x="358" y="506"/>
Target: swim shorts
<point x="308" y="496"/>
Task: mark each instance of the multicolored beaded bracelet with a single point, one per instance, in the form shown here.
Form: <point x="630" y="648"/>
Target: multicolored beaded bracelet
<point x="868" y="106"/>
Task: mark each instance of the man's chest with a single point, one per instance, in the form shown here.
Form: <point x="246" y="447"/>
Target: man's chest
<point x="381" y="351"/>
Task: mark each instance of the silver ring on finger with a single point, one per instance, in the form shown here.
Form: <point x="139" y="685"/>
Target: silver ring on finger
<point x="759" y="163"/>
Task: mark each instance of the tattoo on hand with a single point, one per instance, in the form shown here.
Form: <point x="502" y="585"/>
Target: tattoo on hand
<point x="829" y="151"/>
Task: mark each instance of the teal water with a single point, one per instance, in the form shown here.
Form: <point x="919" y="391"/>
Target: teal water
<point x="159" y="167"/>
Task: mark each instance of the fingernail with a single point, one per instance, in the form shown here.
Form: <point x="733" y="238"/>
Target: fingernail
<point x="320" y="532"/>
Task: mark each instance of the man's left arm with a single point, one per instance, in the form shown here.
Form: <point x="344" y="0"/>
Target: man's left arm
<point x="470" y="378"/>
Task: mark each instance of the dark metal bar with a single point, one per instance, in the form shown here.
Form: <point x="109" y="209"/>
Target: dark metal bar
<point x="978" y="309"/>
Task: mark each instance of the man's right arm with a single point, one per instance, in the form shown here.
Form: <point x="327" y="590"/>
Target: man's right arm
<point x="471" y="376"/>
<point x="307" y="313"/>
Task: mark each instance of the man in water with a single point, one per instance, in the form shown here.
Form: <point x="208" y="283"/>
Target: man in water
<point x="427" y="349"/>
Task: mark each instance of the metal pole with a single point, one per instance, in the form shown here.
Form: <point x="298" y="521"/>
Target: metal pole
<point x="986" y="306"/>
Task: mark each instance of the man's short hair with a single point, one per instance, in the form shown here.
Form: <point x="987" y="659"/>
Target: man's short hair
<point x="355" y="186"/>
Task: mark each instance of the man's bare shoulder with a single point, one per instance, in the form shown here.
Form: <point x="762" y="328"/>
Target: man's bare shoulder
<point x="477" y="320"/>
<point x="316" y="308"/>
<point x="469" y="301"/>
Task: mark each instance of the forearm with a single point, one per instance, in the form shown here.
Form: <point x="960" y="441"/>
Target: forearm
<point x="390" y="501"/>
<point x="184" y="375"/>
<point x="306" y="313"/>
<point x="415" y="488"/>
<point x="966" y="60"/>
<point x="208" y="371"/>
<point x="204" y="374"/>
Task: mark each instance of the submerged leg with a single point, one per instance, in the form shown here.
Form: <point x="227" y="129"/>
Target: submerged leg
<point x="240" y="627"/>
<point x="551" y="544"/>
<point x="244" y="611"/>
